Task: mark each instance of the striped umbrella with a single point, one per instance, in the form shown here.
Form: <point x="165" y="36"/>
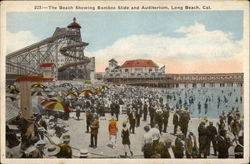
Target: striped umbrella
<point x="55" y="105"/>
<point x="86" y="92"/>
<point x="71" y="95"/>
<point x="13" y="90"/>
<point x="37" y="85"/>
<point x="104" y="86"/>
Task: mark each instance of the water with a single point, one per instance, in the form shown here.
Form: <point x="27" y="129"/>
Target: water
<point x="218" y="99"/>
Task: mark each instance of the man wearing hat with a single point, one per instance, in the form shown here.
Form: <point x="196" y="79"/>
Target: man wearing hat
<point x="184" y="120"/>
<point x="65" y="148"/>
<point x="94" y="131"/>
<point x="165" y="116"/>
<point x="212" y="132"/>
<point x="131" y="117"/>
<point x="89" y="117"/>
<point x="203" y="139"/>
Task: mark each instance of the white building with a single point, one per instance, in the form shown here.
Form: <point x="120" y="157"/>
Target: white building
<point x="139" y="68"/>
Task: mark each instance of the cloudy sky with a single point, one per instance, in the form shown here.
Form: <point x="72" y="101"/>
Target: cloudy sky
<point x="185" y="42"/>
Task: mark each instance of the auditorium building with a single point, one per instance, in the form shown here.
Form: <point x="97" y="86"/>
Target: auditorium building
<point x="143" y="72"/>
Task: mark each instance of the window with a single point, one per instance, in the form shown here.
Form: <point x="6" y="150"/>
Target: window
<point x="203" y="85"/>
<point x="194" y="85"/>
<point x="126" y="70"/>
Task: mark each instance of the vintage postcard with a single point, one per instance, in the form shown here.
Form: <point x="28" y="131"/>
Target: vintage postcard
<point x="124" y="81"/>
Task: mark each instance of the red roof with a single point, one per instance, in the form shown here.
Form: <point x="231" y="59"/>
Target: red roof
<point x="47" y="65"/>
<point x="74" y="24"/>
<point x="139" y="63"/>
<point x="32" y="78"/>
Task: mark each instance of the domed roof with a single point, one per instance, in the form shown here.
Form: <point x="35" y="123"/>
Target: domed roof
<point x="74" y="24"/>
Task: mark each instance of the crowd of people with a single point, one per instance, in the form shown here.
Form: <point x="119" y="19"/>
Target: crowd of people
<point x="152" y="106"/>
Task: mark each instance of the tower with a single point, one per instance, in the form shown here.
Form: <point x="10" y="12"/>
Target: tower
<point x="75" y="61"/>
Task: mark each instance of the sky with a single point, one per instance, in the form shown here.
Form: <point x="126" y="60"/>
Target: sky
<point x="183" y="41"/>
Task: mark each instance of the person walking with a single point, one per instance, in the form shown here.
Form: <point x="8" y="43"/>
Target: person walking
<point x="147" y="143"/>
<point x="176" y="121"/>
<point x="113" y="129"/>
<point x="94" y="131"/>
<point x="131" y="117"/>
<point x="159" y="119"/>
<point x="78" y="112"/>
<point x="89" y="118"/>
<point x="117" y="110"/>
<point x="145" y="111"/>
<point x="165" y="116"/>
<point x="212" y="132"/>
<point x="152" y="113"/>
<point x="203" y="139"/>
<point x="183" y="122"/>
<point x="126" y="140"/>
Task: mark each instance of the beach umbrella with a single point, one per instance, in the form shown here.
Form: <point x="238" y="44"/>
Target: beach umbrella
<point x="71" y="95"/>
<point x="104" y="86"/>
<point x="55" y="105"/>
<point x="86" y="92"/>
<point x="37" y="85"/>
<point x="14" y="90"/>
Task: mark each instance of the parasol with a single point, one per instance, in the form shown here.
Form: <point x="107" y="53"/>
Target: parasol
<point x="55" y="105"/>
<point x="86" y="92"/>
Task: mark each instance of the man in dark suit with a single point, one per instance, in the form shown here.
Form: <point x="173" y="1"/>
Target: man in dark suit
<point x="175" y="121"/>
<point x="212" y="132"/>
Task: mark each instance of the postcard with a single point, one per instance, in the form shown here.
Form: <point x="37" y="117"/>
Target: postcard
<point x="124" y="82"/>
